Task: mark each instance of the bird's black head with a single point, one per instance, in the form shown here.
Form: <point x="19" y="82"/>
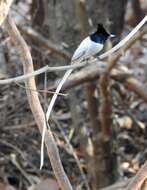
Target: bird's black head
<point x="101" y="30"/>
<point x="101" y="35"/>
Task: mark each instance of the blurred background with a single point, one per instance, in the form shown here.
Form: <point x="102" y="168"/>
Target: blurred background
<point x="52" y="30"/>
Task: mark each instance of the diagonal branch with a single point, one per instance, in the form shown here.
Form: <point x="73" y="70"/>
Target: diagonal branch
<point x="40" y="71"/>
<point x="35" y="105"/>
<point x="137" y="182"/>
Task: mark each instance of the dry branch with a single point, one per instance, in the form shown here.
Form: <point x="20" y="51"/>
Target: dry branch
<point x="40" y="71"/>
<point x="86" y="74"/>
<point x="105" y="109"/>
<point x="138" y="181"/>
<point x="35" y="104"/>
<point x="91" y="73"/>
<point x="4" y="9"/>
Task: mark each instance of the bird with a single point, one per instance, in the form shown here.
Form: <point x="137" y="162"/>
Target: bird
<point x="89" y="47"/>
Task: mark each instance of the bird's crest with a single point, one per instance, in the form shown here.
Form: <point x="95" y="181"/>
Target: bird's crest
<point x="102" y="30"/>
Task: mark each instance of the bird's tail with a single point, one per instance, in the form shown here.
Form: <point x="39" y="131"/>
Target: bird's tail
<point x="61" y="83"/>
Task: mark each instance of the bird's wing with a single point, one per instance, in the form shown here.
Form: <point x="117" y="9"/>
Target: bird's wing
<point x="78" y="56"/>
<point x="81" y="50"/>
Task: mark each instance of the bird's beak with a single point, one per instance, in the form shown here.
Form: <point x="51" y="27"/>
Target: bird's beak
<point x="112" y="35"/>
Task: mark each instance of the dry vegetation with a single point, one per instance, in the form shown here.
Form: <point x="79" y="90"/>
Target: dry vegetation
<point x="98" y="124"/>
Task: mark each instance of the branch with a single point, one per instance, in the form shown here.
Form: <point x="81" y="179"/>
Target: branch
<point x="92" y="73"/>
<point x="105" y="108"/>
<point x="36" y="106"/>
<point x="114" y="58"/>
<point x="86" y="74"/>
<point x="125" y="40"/>
<point x="138" y="181"/>
<point x="4" y="9"/>
<point x="40" y="71"/>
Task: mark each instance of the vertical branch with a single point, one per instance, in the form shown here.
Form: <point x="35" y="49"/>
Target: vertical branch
<point x="92" y="106"/>
<point x="4" y="9"/>
<point x="105" y="106"/>
<point x="105" y="151"/>
<point x="105" y="110"/>
<point x="106" y="158"/>
<point x="35" y="105"/>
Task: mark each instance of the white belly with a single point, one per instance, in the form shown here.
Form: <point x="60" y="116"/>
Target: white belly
<point x="86" y="49"/>
<point x="94" y="48"/>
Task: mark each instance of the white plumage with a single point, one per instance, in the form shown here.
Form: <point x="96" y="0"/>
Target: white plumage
<point x="86" y="49"/>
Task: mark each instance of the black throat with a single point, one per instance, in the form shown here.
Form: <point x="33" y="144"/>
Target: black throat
<point x="100" y="36"/>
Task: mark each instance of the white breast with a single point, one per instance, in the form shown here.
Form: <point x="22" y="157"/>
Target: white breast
<point x="86" y="49"/>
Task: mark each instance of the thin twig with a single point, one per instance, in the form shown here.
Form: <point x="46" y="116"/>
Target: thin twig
<point x="40" y="71"/>
<point x="42" y="91"/>
<point x="19" y="167"/>
<point x="13" y="147"/>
